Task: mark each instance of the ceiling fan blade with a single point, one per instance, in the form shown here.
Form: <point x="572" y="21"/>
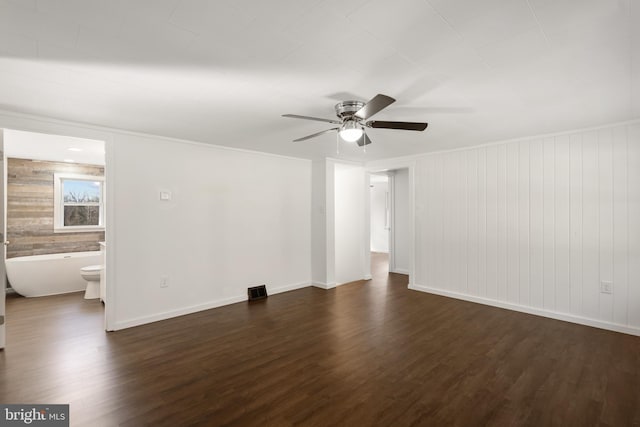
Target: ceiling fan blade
<point x="318" y="119"/>
<point x="397" y="125"/>
<point x="375" y="105"/>
<point x="304" y="138"/>
<point x="364" y="140"/>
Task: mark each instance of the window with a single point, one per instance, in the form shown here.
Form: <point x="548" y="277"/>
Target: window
<point x="79" y="203"/>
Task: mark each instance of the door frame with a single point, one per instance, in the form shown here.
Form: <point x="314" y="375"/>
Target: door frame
<point x="3" y="240"/>
<point x="27" y="123"/>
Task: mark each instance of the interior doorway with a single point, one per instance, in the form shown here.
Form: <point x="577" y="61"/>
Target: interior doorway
<point x="54" y="224"/>
<point x="380" y="212"/>
<point x="390" y="224"/>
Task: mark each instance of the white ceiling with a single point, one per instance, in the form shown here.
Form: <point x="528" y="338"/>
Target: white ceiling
<point x="58" y="148"/>
<point x="223" y="71"/>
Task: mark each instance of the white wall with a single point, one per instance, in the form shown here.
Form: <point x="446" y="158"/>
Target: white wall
<point x="236" y="219"/>
<point x="319" y="223"/>
<point x="323" y="224"/>
<point x="350" y="186"/>
<point x="379" y="199"/>
<point x="535" y="225"/>
<point x="401" y="226"/>
<point x="635" y="58"/>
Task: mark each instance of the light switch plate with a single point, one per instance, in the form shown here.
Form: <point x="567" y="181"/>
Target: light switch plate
<point x="165" y="195"/>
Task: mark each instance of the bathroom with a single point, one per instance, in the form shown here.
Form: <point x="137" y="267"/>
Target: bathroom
<point x="54" y="221"/>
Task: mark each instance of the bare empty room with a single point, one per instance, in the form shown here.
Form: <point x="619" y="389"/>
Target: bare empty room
<point x="320" y="213"/>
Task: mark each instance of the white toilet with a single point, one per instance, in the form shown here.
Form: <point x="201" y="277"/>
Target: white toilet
<point x="91" y="274"/>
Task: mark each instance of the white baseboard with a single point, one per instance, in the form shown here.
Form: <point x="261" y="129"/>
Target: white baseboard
<point x="399" y="271"/>
<point x="287" y="288"/>
<point x="200" y="307"/>
<point x="143" y="320"/>
<point x="336" y="284"/>
<point x="631" y="330"/>
<point x="324" y="285"/>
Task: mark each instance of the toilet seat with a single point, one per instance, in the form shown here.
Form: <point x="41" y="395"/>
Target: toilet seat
<point x="91" y="268"/>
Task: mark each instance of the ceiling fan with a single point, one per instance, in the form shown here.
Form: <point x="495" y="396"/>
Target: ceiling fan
<point x="352" y="116"/>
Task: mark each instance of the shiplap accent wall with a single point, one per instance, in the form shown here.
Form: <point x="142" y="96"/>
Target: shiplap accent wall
<point x="30" y="209"/>
<point x="536" y="225"/>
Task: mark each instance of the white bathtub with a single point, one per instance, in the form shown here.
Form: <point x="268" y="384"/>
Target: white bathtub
<point x="41" y="275"/>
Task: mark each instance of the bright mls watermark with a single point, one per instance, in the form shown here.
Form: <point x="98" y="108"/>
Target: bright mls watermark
<point x="34" y="415"/>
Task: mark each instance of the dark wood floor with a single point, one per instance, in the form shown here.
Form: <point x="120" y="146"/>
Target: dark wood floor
<point x="367" y="353"/>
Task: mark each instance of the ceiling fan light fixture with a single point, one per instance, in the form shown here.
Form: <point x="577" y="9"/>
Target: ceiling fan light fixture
<point x="353" y="117"/>
<point x="351" y="131"/>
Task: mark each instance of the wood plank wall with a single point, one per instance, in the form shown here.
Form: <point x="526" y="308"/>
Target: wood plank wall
<point x="30" y="209"/>
<point x="536" y="224"/>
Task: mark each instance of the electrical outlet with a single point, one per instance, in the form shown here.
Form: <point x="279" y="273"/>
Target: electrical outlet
<point x="606" y="287"/>
<point x="164" y="282"/>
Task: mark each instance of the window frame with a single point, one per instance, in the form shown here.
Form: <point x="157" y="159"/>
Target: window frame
<point x="58" y="203"/>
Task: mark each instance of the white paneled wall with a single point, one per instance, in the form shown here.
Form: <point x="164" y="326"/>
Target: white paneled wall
<point x="536" y="225"/>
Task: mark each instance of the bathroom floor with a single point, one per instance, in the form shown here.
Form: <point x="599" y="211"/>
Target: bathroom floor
<point x="58" y="316"/>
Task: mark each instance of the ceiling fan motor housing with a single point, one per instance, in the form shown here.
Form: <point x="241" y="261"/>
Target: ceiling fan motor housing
<point x="347" y="109"/>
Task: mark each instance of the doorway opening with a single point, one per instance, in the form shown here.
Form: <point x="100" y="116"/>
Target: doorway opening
<point x="54" y="229"/>
<point x="380" y="222"/>
<point x="390" y="222"/>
